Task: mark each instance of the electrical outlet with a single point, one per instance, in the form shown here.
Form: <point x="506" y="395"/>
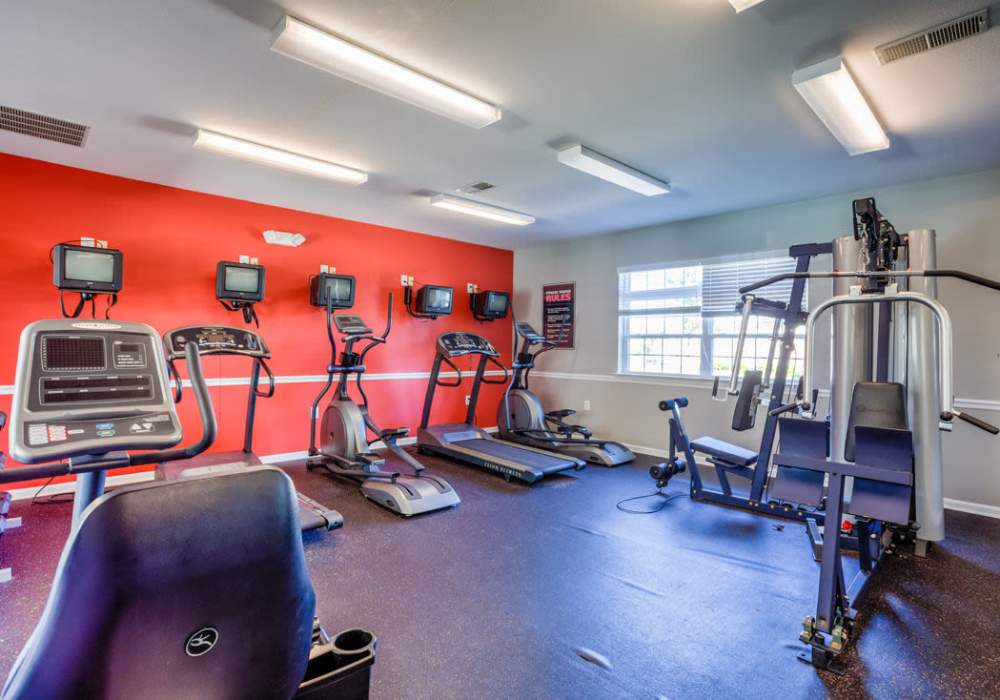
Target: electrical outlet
<point x="471" y="288"/>
<point x="586" y="404"/>
<point x="406" y="280"/>
<point x="468" y="399"/>
<point x="324" y="268"/>
<point x="244" y="259"/>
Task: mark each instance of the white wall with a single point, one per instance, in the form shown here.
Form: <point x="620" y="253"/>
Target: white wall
<point x="965" y="211"/>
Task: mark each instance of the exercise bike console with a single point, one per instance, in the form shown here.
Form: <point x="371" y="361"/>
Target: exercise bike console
<point x="86" y="387"/>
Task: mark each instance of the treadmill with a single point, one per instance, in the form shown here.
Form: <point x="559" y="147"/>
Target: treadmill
<point x="239" y="342"/>
<point x="467" y="443"/>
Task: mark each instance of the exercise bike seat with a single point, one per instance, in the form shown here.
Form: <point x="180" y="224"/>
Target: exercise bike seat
<point x="724" y="451"/>
<point x="561" y="413"/>
<point x="172" y="573"/>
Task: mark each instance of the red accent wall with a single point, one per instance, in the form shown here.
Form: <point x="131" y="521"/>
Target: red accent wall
<point x="171" y="240"/>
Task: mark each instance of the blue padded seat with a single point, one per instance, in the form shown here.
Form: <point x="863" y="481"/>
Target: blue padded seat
<point x="724" y="451"/>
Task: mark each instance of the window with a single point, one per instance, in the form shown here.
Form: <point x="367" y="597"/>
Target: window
<point x="683" y="320"/>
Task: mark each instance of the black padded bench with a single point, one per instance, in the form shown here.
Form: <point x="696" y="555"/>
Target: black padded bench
<point x="726" y="458"/>
<point x="727" y="453"/>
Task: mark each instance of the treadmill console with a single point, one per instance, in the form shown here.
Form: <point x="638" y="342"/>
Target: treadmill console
<point x="525" y="330"/>
<point x="215" y="340"/>
<point x="90" y="387"/>
<point x="458" y="343"/>
<point x="350" y="324"/>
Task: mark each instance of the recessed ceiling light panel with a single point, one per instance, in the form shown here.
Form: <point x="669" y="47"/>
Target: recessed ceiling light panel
<point x="277" y="158"/>
<point x="593" y="163"/>
<point x="483" y="211"/>
<point x="830" y="90"/>
<point x="320" y="49"/>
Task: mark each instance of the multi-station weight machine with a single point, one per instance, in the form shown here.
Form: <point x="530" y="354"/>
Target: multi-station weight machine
<point x="877" y="458"/>
<point x="731" y="460"/>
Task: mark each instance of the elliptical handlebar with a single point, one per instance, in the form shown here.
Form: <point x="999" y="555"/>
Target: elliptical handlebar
<point x="388" y="320"/>
<point x="78" y="465"/>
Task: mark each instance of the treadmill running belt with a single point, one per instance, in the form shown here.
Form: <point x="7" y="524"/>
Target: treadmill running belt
<point x="504" y="450"/>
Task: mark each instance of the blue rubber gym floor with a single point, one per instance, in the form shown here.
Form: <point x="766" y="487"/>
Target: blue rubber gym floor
<point x="505" y="596"/>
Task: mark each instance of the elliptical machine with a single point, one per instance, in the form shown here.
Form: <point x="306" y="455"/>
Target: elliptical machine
<point x="344" y="448"/>
<point x="522" y="418"/>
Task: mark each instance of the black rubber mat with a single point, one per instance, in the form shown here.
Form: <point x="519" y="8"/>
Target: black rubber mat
<point x="550" y="591"/>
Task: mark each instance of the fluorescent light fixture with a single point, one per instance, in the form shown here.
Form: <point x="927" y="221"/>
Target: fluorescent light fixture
<point x="485" y="211"/>
<point x="319" y="49"/>
<point x="593" y="163"/>
<point x="830" y="90"/>
<point x="286" y="160"/>
<point x="740" y="5"/>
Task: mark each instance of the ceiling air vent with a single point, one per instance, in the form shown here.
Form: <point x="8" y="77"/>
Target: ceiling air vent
<point x="947" y="33"/>
<point x="41" y="126"/>
<point x="475" y="188"/>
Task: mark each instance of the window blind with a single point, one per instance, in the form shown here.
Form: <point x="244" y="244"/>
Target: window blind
<point x="720" y="283"/>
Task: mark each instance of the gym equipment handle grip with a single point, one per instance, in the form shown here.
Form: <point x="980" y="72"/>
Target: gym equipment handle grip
<point x="978" y="422"/>
<point x="783" y="409"/>
<point x="668" y="404"/>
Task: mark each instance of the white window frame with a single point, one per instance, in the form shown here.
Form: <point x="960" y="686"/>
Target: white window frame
<point x="706" y="372"/>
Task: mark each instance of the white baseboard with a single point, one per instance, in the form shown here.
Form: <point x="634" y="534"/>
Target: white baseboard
<point x="284" y="457"/>
<point x="651" y="451"/>
<point x="970" y="507"/>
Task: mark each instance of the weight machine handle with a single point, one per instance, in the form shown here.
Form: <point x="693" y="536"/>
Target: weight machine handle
<point x="741" y="339"/>
<point x="972" y="420"/>
<point x="783" y="409"/>
<point x="668" y="404"/>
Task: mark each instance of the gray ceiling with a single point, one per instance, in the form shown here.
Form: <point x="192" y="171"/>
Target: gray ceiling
<point x="686" y="90"/>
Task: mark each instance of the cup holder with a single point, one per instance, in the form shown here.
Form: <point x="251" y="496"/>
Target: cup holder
<point x="353" y="642"/>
